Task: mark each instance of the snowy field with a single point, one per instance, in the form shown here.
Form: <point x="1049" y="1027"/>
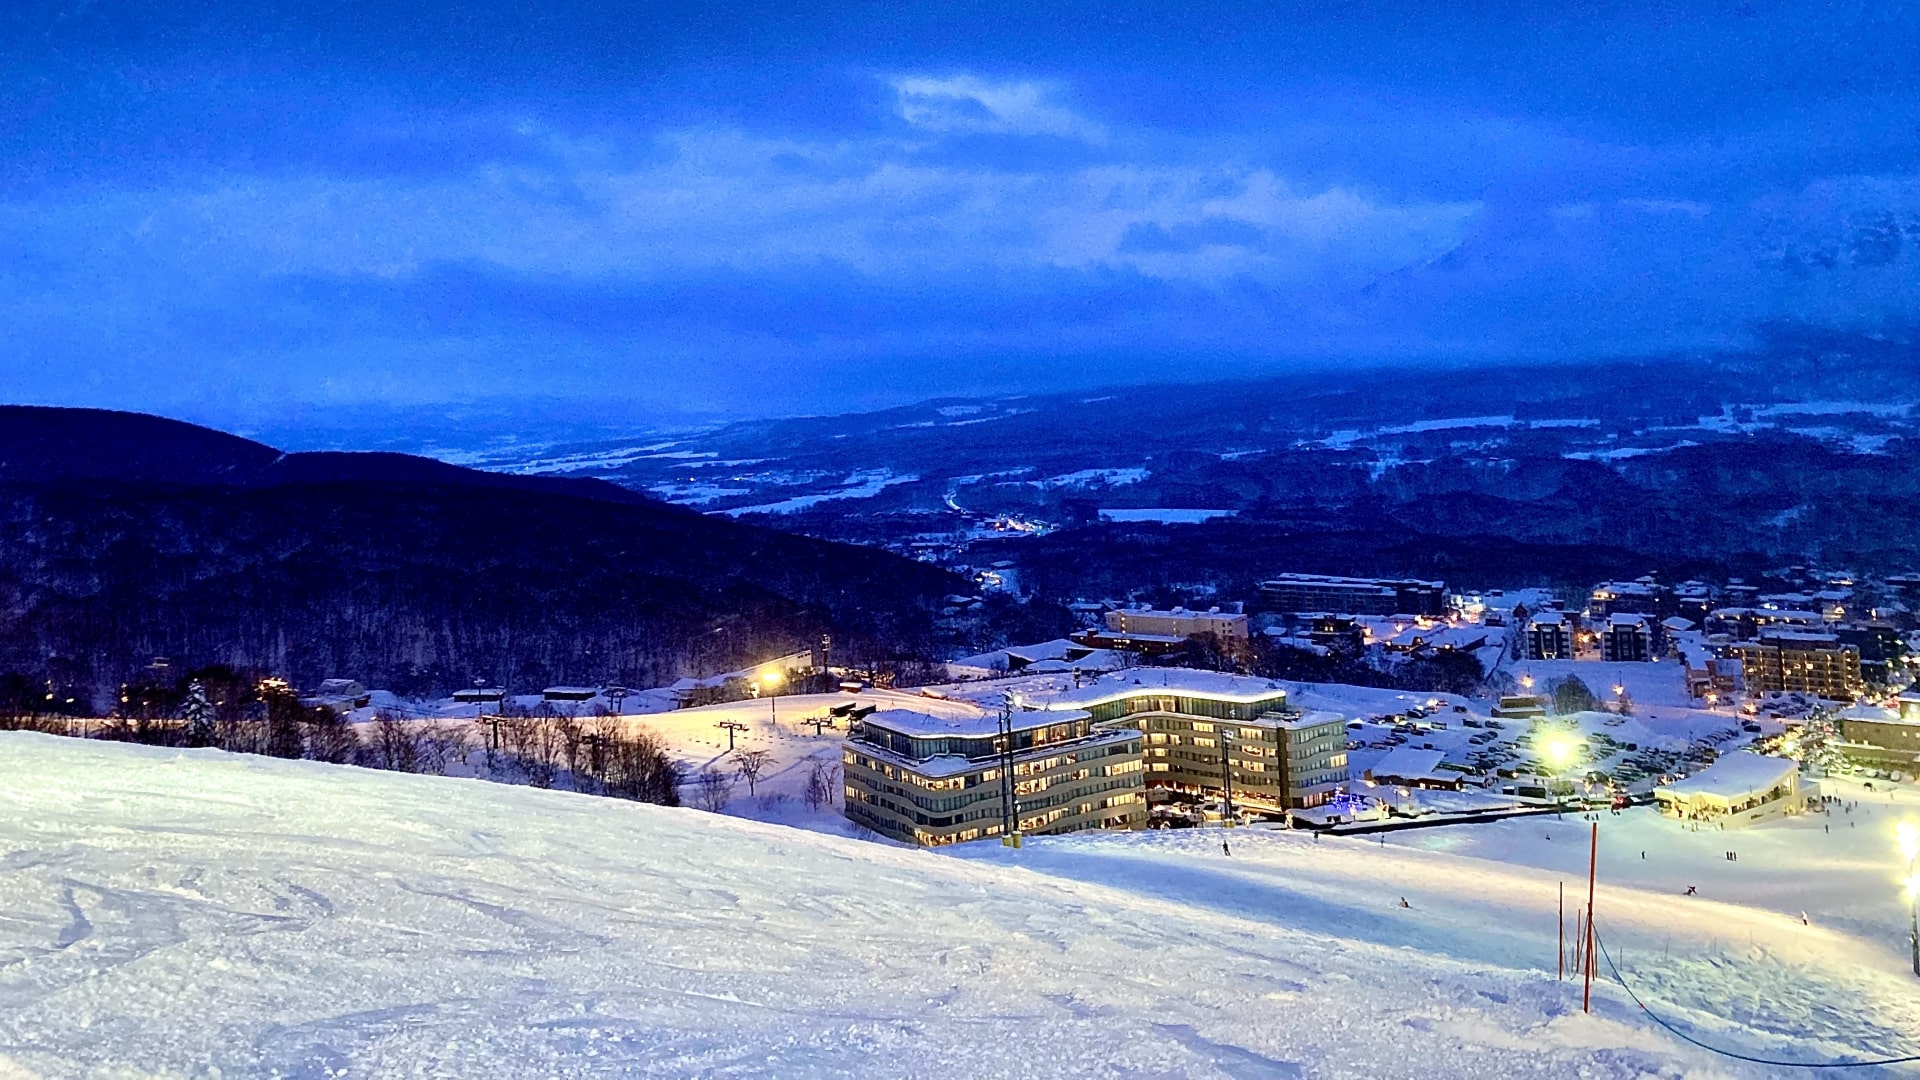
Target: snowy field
<point x="192" y="913"/>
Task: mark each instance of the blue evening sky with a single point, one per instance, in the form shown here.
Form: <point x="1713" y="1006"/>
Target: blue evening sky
<point x="760" y="207"/>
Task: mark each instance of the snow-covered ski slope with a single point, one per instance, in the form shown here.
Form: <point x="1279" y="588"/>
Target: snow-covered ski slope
<point x="192" y="913"/>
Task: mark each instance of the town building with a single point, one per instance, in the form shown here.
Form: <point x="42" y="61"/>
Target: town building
<point x="1881" y="645"/>
<point x="1640" y="597"/>
<point x="1803" y="661"/>
<point x="1339" y="633"/>
<point x="339" y="696"/>
<point x="1692" y="600"/>
<point x="932" y="780"/>
<point x="1748" y="623"/>
<point x="1550" y="636"/>
<point x="1152" y="632"/>
<point x="1198" y="724"/>
<point x="1529" y="707"/>
<point x="1627" y="638"/>
<point x="1740" y="789"/>
<point x="1881" y="742"/>
<point x="569" y="694"/>
<point x="1412" y="767"/>
<point x="480" y="695"/>
<point x="1305" y="594"/>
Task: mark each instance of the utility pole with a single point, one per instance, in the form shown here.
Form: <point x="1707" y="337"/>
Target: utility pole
<point x="1009" y="794"/>
<point x="731" y="726"/>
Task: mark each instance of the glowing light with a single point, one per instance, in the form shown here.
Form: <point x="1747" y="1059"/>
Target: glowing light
<point x="771" y="677"/>
<point x="1560" y="750"/>
<point x="1908" y="835"/>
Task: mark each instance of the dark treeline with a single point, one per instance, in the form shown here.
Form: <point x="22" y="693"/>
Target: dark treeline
<point x="411" y="578"/>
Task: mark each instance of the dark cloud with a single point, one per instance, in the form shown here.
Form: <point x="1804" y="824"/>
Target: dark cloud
<point x="408" y="201"/>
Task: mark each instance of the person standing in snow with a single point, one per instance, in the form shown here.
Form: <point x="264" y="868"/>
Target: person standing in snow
<point x="1224" y="849"/>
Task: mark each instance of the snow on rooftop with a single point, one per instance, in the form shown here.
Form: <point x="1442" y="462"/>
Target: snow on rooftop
<point x="1214" y="684"/>
<point x="1739" y="775"/>
<point x="979" y="722"/>
<point x="1412" y="763"/>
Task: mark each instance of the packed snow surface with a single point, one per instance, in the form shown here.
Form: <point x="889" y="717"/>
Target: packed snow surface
<point x="192" y="913"/>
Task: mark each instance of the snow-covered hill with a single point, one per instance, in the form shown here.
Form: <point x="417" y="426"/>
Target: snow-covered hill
<point x="191" y="913"/>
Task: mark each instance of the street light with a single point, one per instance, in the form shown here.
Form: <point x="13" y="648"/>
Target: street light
<point x="1560" y="751"/>
<point x="771" y="679"/>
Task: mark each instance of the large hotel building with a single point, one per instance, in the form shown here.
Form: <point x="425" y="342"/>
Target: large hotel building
<point x="1088" y="758"/>
<point x="927" y="780"/>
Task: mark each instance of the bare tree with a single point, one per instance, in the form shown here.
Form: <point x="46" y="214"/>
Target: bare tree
<point x="823" y="784"/>
<point x="395" y="745"/>
<point x="329" y="738"/>
<point x="712" y="790"/>
<point x="439" y="746"/>
<point x="752" y="763"/>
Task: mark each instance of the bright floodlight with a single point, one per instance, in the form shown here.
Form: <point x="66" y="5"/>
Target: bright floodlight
<point x="771" y="677"/>
<point x="1909" y="836"/>
<point x="1913" y="886"/>
<point x="1560" y="750"/>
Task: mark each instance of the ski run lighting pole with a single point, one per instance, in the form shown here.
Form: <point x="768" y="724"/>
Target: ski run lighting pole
<point x="1009" y="810"/>
<point x="731" y="726"/>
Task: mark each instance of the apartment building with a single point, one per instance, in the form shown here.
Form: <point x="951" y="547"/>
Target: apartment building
<point x="1550" y="636"/>
<point x="1156" y="632"/>
<point x="1748" y="623"/>
<point x="932" y="780"/>
<point x="1306" y="594"/>
<point x="1198" y="726"/>
<point x="1627" y="637"/>
<point x="1641" y="597"/>
<point x="1806" y="661"/>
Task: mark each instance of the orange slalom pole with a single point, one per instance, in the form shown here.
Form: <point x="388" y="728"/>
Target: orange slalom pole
<point x="1593" y="863"/>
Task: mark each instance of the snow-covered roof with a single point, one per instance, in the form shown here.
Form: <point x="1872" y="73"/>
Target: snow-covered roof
<point x="1739" y="775"/>
<point x="1210" y="684"/>
<point x="1409" y="763"/>
<point x="918" y="724"/>
<point x="1622" y="619"/>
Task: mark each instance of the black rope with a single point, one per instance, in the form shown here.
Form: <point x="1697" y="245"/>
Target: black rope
<point x="1658" y="1019"/>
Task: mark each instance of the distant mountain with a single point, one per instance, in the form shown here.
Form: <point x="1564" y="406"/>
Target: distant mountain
<point x="124" y="537"/>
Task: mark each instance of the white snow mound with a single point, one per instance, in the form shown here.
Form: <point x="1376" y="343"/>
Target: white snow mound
<point x="193" y="913"/>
